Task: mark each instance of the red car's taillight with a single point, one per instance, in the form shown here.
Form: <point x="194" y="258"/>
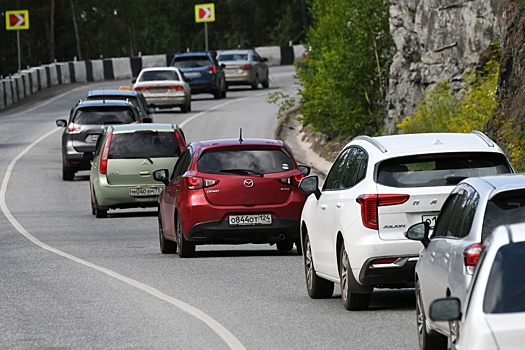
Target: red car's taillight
<point x="293" y="180"/>
<point x="245" y="67"/>
<point x="195" y="182"/>
<point x="370" y="203"/>
<point x="103" y="163"/>
<point x="471" y="255"/>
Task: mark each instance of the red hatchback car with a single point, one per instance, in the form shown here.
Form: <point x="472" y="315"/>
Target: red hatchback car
<point x="231" y="191"/>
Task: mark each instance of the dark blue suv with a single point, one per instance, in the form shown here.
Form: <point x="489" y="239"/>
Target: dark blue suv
<point x="202" y="71"/>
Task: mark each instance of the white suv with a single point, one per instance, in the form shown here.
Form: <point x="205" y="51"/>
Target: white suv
<point x="352" y="229"/>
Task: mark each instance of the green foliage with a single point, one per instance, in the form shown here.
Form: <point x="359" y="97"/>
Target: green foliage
<point x="284" y="101"/>
<point x="444" y="110"/>
<point x="344" y="76"/>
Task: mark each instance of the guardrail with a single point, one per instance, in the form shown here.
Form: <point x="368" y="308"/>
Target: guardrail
<point x="29" y="81"/>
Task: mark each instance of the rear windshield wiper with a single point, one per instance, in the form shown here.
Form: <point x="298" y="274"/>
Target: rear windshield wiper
<point x="241" y="171"/>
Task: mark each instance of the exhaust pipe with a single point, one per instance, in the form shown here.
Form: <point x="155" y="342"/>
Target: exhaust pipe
<point x="282" y="236"/>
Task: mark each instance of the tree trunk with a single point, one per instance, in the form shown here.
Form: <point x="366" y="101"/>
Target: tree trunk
<point x="75" y="28"/>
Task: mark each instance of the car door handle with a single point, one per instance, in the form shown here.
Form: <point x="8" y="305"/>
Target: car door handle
<point x="447" y="255"/>
<point x="145" y="172"/>
<point x="323" y="206"/>
<point x="339" y="205"/>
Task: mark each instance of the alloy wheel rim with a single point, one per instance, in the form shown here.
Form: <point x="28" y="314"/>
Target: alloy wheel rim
<point x="179" y="233"/>
<point x="308" y="263"/>
<point x="344" y="274"/>
<point x="420" y="317"/>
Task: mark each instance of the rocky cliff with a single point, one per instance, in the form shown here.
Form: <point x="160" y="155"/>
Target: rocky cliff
<point x="436" y="40"/>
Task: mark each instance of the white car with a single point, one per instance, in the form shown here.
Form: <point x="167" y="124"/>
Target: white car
<point x="446" y="264"/>
<point x="164" y="87"/>
<point x="493" y="315"/>
<point x="352" y="229"/>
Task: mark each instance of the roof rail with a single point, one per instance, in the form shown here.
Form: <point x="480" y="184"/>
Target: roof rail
<point x="484" y="137"/>
<point x="373" y="141"/>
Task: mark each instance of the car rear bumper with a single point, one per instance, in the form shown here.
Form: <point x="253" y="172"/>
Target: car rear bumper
<point x="118" y="196"/>
<point x="166" y="100"/>
<point x="217" y="232"/>
<point x="198" y="88"/>
<point x="398" y="274"/>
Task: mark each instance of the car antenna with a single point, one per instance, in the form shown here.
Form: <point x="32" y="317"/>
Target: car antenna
<point x="240" y="135"/>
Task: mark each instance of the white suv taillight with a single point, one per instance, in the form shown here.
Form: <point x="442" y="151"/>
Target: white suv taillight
<point x="471" y="255"/>
<point x="370" y="203"/>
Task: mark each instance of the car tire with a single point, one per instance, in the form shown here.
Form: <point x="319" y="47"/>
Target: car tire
<point x="68" y="174"/>
<point x="224" y="90"/>
<point x="99" y="213"/>
<point x="318" y="288"/>
<point x="166" y="246"/>
<point x="427" y="341"/>
<point x="284" y="246"/>
<point x="255" y="84"/>
<point x="351" y="300"/>
<point x="266" y="83"/>
<point x="92" y="205"/>
<point x="186" y="249"/>
<point x="186" y="107"/>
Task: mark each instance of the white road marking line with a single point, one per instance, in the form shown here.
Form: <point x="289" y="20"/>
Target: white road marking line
<point x="221" y="331"/>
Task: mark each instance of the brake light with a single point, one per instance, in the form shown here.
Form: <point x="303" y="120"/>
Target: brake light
<point x="73" y="128"/>
<point x="294" y="180"/>
<point x="212" y="69"/>
<point x="471" y="256"/>
<point x="194" y="182"/>
<point x="245" y="67"/>
<point x="103" y="164"/>
<point x="182" y="145"/>
<point x="141" y="88"/>
<point x="384" y="261"/>
<point x="176" y="88"/>
<point x="371" y="202"/>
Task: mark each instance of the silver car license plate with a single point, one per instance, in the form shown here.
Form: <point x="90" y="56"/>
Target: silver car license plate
<point x="145" y="191"/>
<point x="250" y="220"/>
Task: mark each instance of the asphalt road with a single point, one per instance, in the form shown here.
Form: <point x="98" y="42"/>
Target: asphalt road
<point x="71" y="281"/>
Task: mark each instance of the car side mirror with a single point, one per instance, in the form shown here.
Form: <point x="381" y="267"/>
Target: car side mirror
<point x="264" y="59"/>
<point x="150" y="110"/>
<point x="134" y="80"/>
<point x="309" y="185"/>
<point x="161" y="175"/>
<point x="419" y="232"/>
<point x="61" y="123"/>
<point x="445" y="309"/>
<point x="223" y="65"/>
<point x="305" y="169"/>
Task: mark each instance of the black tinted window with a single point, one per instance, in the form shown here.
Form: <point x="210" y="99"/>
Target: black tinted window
<point x="263" y="161"/>
<point x="156" y="75"/>
<point x="505" y="291"/>
<point x="103" y="116"/>
<point x="441" y="228"/>
<point x="150" y="144"/>
<point x="132" y="99"/>
<point x="233" y="57"/>
<point x="355" y="168"/>
<point x="191" y="62"/>
<point x="442" y="169"/>
<point x="505" y="208"/>
<point x="333" y="179"/>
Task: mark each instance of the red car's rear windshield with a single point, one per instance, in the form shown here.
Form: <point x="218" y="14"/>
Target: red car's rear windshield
<point x="263" y="161"/>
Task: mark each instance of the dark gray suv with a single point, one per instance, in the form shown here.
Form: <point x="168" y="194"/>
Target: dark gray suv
<point x="81" y="132"/>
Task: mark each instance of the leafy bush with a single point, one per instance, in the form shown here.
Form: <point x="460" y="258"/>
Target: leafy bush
<point x="345" y="73"/>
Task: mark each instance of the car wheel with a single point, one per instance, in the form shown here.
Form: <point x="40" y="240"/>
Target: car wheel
<point x="351" y="301"/>
<point x="186" y="249"/>
<point x="255" y="84"/>
<point x="266" y="83"/>
<point x="68" y="174"/>
<point x="317" y="287"/>
<point x="427" y="341"/>
<point x="99" y="213"/>
<point x="224" y="89"/>
<point x="186" y="107"/>
<point x="92" y="205"/>
<point x="166" y="246"/>
<point x="285" y="246"/>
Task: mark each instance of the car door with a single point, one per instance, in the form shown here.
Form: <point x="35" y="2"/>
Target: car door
<point x="431" y="259"/>
<point x="171" y="193"/>
<point x="328" y="211"/>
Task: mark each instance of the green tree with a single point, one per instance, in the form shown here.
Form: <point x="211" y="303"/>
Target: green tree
<point x="345" y="75"/>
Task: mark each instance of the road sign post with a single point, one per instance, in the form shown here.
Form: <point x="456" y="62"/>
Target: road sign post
<point x="205" y="13"/>
<point x="17" y="20"/>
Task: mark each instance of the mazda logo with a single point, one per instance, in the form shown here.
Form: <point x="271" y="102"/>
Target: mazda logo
<point x="248" y="183"/>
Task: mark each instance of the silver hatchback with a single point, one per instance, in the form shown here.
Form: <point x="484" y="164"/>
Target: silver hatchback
<point x="446" y="265"/>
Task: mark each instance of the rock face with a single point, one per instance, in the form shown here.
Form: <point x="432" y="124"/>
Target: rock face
<point x="436" y="40"/>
